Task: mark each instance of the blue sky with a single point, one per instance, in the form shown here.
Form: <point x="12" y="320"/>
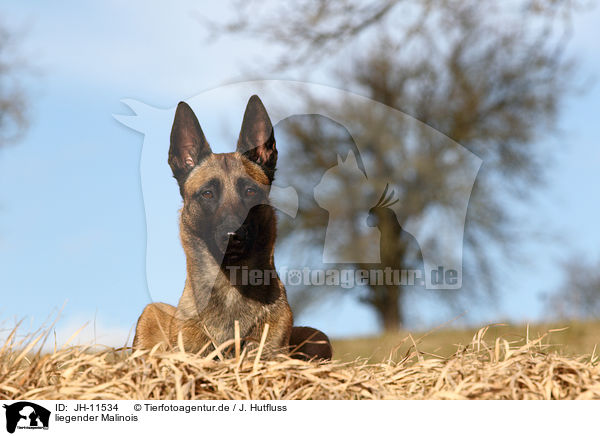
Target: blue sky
<point x="72" y="221"/>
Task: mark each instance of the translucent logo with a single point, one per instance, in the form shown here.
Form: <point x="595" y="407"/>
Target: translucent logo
<point x="435" y="236"/>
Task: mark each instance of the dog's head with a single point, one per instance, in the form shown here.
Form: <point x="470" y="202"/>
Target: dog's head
<point x="225" y="196"/>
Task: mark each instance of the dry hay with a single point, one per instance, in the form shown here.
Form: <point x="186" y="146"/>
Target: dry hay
<point x="497" y="370"/>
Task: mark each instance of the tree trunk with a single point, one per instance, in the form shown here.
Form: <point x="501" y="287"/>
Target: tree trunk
<point x="386" y="300"/>
<point x="387" y="303"/>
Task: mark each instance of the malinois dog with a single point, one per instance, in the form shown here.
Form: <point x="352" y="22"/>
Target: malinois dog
<point x="226" y="223"/>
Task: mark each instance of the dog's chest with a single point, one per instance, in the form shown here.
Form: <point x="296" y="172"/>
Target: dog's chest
<point x="234" y="306"/>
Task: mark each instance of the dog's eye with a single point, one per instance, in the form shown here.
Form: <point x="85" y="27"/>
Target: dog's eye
<point x="250" y="192"/>
<point x="207" y="194"/>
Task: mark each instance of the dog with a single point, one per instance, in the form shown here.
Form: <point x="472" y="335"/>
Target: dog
<point x="226" y="224"/>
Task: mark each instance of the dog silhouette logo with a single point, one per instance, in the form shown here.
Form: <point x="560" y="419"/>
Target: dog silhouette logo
<point x="26" y="415"/>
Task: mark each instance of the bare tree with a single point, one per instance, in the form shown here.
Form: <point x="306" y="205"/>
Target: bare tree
<point x="578" y="296"/>
<point x="309" y="31"/>
<point x="13" y="103"/>
<point x="490" y="77"/>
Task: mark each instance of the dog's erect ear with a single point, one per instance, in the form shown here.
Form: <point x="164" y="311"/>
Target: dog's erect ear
<point x="257" y="140"/>
<point x="188" y="144"/>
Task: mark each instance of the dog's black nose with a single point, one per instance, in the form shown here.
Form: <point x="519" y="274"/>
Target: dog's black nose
<point x="236" y="238"/>
<point x="230" y="237"/>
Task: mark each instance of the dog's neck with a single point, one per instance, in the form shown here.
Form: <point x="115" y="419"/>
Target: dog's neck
<point x="206" y="273"/>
